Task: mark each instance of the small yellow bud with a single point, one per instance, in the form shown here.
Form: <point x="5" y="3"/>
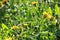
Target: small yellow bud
<point x="34" y="3"/>
<point x="51" y="18"/>
<point x="15" y="27"/>
<point x="26" y="24"/>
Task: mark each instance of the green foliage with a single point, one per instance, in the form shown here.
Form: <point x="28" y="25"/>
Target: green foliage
<point x="29" y="20"/>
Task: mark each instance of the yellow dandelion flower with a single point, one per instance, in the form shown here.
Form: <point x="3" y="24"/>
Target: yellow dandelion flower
<point x="15" y="27"/>
<point x="4" y="1"/>
<point x="9" y="38"/>
<point x="45" y="14"/>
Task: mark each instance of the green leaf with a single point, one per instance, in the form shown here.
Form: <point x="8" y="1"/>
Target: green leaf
<point x="57" y="9"/>
<point x="4" y="26"/>
<point x="50" y="10"/>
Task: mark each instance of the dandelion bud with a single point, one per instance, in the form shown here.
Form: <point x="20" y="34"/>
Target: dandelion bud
<point x="34" y="3"/>
<point x="51" y="19"/>
<point x="15" y="27"/>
